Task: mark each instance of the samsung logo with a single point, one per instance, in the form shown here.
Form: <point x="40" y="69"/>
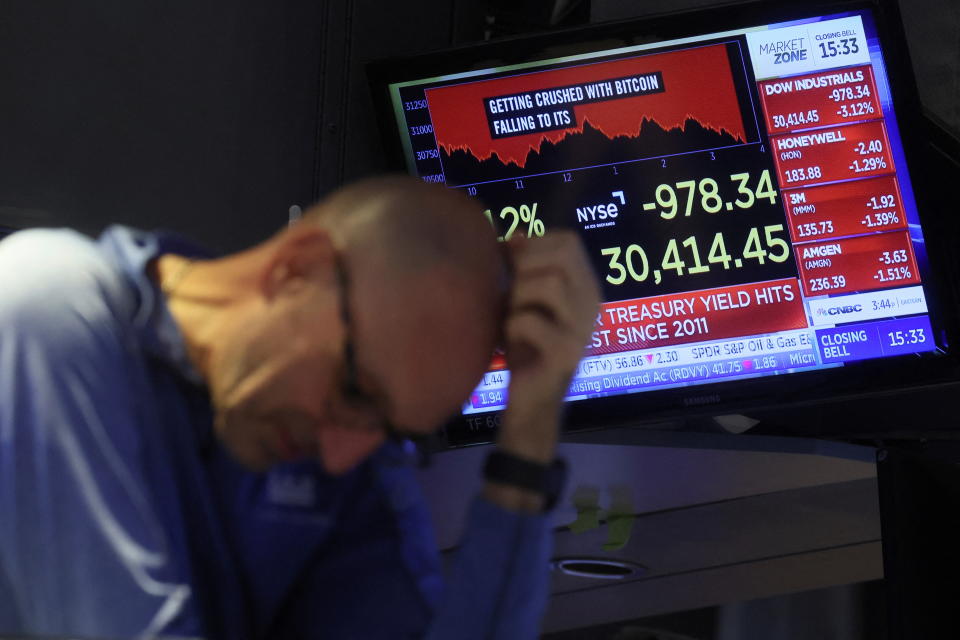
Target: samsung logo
<point x="693" y="401"/>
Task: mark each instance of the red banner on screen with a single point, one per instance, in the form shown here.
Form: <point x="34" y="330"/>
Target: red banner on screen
<point x="844" y="209"/>
<point x="724" y="312"/>
<point x="857" y="264"/>
<point x="833" y="153"/>
<point x="820" y="99"/>
<point x="698" y="86"/>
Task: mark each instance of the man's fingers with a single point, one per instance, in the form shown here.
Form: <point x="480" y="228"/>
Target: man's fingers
<point x="546" y="293"/>
<point x="552" y="308"/>
<point x="561" y="256"/>
<point x="532" y="338"/>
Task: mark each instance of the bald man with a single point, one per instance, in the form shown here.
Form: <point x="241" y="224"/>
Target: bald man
<point x="218" y="447"/>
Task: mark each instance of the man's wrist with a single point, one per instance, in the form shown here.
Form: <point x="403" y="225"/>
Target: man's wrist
<point x="528" y="484"/>
<point x="532" y="436"/>
<point x="528" y="432"/>
<point x="542" y="450"/>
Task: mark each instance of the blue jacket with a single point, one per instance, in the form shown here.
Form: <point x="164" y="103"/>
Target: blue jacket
<point x="122" y="516"/>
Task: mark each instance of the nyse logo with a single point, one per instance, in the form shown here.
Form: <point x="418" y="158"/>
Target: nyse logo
<point x="840" y="311"/>
<point x="602" y="214"/>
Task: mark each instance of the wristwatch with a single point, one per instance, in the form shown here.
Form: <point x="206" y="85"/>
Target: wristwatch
<point x="546" y="479"/>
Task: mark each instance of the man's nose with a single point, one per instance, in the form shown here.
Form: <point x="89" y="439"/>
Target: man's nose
<point x="342" y="449"/>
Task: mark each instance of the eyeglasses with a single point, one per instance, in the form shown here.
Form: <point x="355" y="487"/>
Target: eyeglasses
<point x="363" y="407"/>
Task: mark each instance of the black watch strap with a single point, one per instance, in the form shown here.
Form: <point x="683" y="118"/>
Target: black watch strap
<point x="545" y="479"/>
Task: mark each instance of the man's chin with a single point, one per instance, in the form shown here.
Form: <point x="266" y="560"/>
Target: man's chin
<point x="251" y="453"/>
<point x="260" y="456"/>
<point x="256" y="459"/>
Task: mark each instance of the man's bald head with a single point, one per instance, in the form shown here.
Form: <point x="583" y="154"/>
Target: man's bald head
<point x="415" y="224"/>
<point x="272" y="329"/>
<point x="426" y="284"/>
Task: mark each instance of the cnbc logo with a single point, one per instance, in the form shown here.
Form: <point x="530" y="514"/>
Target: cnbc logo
<point x="840" y="311"/>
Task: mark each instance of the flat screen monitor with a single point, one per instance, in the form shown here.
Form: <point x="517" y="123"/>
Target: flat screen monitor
<point x="748" y="197"/>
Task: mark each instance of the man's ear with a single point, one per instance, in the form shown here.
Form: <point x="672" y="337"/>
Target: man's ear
<point x="303" y="254"/>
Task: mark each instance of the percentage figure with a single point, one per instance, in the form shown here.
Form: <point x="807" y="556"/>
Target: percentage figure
<point x="881" y="219"/>
<point x="868" y="164"/>
<point x="856" y="109"/>
<point x="893" y="274"/>
<point x="535" y="226"/>
<point x="525" y="213"/>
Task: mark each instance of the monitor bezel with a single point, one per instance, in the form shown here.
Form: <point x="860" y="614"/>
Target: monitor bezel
<point x="762" y="393"/>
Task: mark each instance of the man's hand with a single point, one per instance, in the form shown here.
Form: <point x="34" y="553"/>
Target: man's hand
<point x="551" y="312"/>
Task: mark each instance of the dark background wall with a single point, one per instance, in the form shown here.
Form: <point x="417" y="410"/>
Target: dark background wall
<point x="213" y="117"/>
<point x="209" y="116"/>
